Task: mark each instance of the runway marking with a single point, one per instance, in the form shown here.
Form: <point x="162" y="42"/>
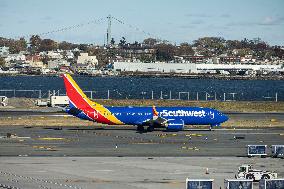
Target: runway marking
<point x="51" y="138"/>
<point x="51" y="148"/>
<point x="238" y="129"/>
<point x="145" y="143"/>
<point x="253" y="134"/>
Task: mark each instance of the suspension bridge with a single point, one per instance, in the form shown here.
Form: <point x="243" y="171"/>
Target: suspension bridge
<point x="108" y="36"/>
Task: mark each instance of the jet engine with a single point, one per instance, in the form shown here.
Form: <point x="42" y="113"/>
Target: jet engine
<point x="175" y="125"/>
<point x="77" y="112"/>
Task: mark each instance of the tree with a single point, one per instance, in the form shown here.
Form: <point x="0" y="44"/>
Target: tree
<point x="204" y="51"/>
<point x="15" y="46"/>
<point x="244" y="51"/>
<point x="233" y="44"/>
<point x="164" y="52"/>
<point x="122" y="42"/>
<point x="112" y="42"/>
<point x="83" y="47"/>
<point x="21" y="44"/>
<point x="136" y="44"/>
<point x="184" y="49"/>
<point x="35" y="42"/>
<point x="278" y="51"/>
<point x="145" y="58"/>
<point x="48" y="45"/>
<point x="214" y="44"/>
<point x="150" y="42"/>
<point x="65" y="45"/>
<point x="2" y="62"/>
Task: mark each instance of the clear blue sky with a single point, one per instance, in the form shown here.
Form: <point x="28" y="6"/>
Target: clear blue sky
<point x="175" y="20"/>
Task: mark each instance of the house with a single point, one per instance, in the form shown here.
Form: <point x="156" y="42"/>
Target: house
<point x="36" y="64"/>
<point x="34" y="61"/>
<point x="54" y="55"/>
<point x="84" y="58"/>
<point x="247" y="59"/>
<point x="15" y="57"/>
<point x="4" y="51"/>
<point x="69" y="55"/>
<point x="53" y="64"/>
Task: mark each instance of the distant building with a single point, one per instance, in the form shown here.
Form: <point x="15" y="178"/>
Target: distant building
<point x="84" y="58"/>
<point x="229" y="59"/>
<point x="34" y="61"/>
<point x="36" y="64"/>
<point x="54" y="55"/>
<point x="69" y="55"/>
<point x="86" y="69"/>
<point x="185" y="68"/>
<point x="247" y="59"/>
<point x="160" y="67"/>
<point x="15" y="57"/>
<point x="33" y="58"/>
<point x="196" y="58"/>
<point x="4" y="51"/>
<point x="53" y="64"/>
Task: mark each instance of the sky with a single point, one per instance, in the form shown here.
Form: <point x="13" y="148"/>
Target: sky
<point x="173" y="20"/>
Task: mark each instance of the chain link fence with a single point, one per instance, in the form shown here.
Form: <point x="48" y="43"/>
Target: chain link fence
<point x="166" y="95"/>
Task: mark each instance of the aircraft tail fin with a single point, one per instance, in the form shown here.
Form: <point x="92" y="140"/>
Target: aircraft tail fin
<point x="77" y="98"/>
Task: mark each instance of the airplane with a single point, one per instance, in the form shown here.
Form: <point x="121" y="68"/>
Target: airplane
<point x="170" y="118"/>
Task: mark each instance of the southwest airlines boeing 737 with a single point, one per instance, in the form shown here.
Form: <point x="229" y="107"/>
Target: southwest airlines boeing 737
<point x="171" y="118"/>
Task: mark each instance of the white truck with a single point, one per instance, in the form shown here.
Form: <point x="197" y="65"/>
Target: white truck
<point x="247" y="172"/>
<point x="59" y="101"/>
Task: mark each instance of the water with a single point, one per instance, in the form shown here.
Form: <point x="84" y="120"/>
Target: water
<point x="138" y="88"/>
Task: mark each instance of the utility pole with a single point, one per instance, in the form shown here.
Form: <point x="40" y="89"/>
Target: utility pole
<point x="109" y="30"/>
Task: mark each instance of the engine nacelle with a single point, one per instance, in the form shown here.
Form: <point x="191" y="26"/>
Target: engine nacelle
<point x="175" y="125"/>
<point x="77" y="112"/>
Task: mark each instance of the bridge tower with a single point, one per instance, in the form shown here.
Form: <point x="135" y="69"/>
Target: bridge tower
<point x="109" y="30"/>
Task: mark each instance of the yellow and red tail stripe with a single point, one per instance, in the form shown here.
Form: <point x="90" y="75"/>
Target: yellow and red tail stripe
<point x="93" y="110"/>
<point x="155" y="112"/>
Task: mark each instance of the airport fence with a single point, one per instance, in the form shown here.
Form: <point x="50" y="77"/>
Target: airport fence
<point x="166" y="95"/>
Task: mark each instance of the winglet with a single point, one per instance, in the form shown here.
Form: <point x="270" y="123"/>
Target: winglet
<point x="155" y="112"/>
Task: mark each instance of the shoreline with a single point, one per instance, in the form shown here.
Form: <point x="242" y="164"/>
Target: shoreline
<point x="161" y="75"/>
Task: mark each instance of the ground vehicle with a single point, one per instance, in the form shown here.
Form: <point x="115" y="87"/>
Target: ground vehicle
<point x="247" y="172"/>
<point x="277" y="151"/>
<point x="257" y="150"/>
<point x="3" y="101"/>
<point x="199" y="183"/>
<point x="59" y="101"/>
<point x="271" y="184"/>
<point x="238" y="183"/>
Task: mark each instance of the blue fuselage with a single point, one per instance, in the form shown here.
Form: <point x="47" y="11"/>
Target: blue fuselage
<point x="189" y="115"/>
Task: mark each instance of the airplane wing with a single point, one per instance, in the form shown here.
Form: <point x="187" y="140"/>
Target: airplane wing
<point x="155" y="120"/>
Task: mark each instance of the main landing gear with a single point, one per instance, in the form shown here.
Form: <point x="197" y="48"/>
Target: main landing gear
<point x="140" y="128"/>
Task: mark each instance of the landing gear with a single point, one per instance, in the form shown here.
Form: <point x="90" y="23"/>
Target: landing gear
<point x="140" y="128"/>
